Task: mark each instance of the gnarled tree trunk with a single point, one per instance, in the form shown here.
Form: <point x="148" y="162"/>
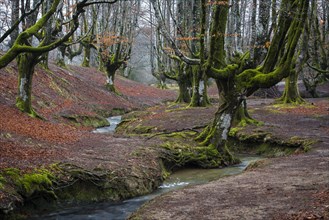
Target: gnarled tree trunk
<point x="26" y="64"/>
<point x="291" y="91"/>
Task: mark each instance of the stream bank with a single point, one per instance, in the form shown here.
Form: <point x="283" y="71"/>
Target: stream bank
<point x="121" y="210"/>
<point x="128" y="164"/>
<point x="294" y="186"/>
<point x="148" y="162"/>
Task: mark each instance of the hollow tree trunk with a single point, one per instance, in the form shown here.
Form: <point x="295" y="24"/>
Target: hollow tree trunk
<point x="26" y="64"/>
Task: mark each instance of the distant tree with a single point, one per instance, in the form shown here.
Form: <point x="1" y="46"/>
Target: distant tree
<point x="115" y="42"/>
<point x="14" y="19"/>
<point x="179" y="26"/>
<point x="315" y="48"/>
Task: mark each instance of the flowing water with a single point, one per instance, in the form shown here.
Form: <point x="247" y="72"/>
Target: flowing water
<point x="114" y="121"/>
<point x="122" y="210"/>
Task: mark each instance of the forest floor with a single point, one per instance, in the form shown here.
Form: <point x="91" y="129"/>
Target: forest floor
<point x="288" y="187"/>
<point x="291" y="187"/>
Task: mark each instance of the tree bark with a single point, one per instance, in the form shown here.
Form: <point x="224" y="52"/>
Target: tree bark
<point x="14" y="18"/>
<point x="26" y="64"/>
<point x="291" y="92"/>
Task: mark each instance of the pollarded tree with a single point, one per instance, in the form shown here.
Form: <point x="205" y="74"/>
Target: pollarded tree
<point x="182" y="75"/>
<point x="237" y="80"/>
<point x="316" y="48"/>
<point x="28" y="55"/>
<point x="186" y="25"/>
<point x="115" y="42"/>
<point x="312" y="50"/>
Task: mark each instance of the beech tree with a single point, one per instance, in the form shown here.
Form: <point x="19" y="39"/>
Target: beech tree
<point x="315" y="46"/>
<point x="115" y="40"/>
<point x="42" y="32"/>
<point x="237" y="78"/>
<point x="180" y="27"/>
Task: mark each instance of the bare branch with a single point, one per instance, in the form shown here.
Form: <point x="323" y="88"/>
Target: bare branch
<point x="170" y="40"/>
<point x="12" y="28"/>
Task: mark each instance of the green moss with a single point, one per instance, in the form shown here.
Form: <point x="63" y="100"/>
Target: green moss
<point x="266" y="144"/>
<point x="40" y="181"/>
<point x="179" y="155"/>
<point x="2" y="181"/>
<point x="256" y="164"/>
<point x="86" y="120"/>
<point x="304" y="144"/>
<point x="31" y="183"/>
<point x="184" y="134"/>
<point x="141" y="129"/>
<point x="248" y="121"/>
<point x="234" y="131"/>
<point x="280" y="105"/>
<point x="118" y="111"/>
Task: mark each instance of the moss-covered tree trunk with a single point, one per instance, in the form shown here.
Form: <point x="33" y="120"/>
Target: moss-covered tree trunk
<point x="216" y="134"/>
<point x="184" y="84"/>
<point x="26" y="64"/>
<point x="199" y="88"/>
<point x="291" y="91"/>
<point x="110" y="73"/>
<point x="86" y="55"/>
<point x="238" y="80"/>
<point x="183" y="93"/>
<point x="60" y="58"/>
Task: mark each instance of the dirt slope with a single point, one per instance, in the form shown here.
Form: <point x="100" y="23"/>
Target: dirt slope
<point x="28" y="142"/>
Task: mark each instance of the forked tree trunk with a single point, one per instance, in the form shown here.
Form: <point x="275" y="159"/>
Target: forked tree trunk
<point x="26" y="64"/>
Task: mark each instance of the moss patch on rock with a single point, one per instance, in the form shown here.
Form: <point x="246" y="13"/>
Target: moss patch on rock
<point x="180" y="150"/>
<point x="265" y="143"/>
<point x="86" y="120"/>
<point x="28" y="184"/>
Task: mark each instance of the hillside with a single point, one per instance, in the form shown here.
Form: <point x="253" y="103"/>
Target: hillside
<point x="65" y="98"/>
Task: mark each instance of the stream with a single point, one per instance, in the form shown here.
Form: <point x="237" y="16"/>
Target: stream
<point x="114" y="121"/>
<point x="121" y="210"/>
